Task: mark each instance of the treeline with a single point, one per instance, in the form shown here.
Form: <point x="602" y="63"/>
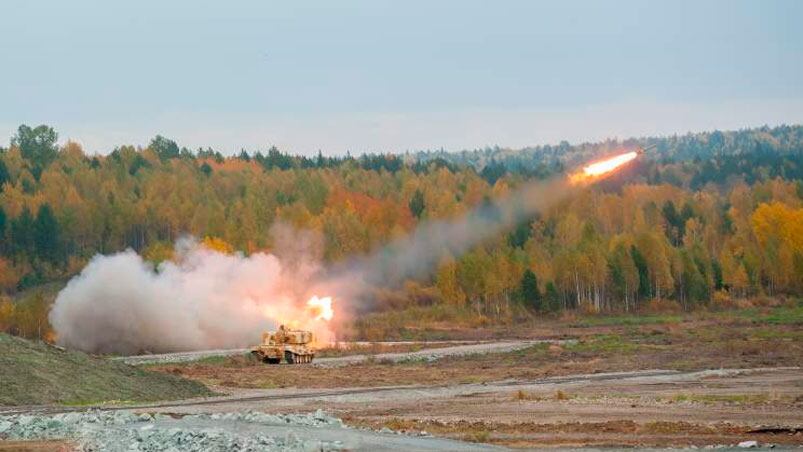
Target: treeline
<point x="716" y="214"/>
<point x="690" y="160"/>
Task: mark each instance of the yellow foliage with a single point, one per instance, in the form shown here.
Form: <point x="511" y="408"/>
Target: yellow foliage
<point x="217" y="244"/>
<point x="779" y="222"/>
<point x="157" y="252"/>
<point x="6" y="313"/>
<point x="9" y="277"/>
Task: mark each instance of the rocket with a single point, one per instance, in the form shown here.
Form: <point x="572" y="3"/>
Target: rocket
<point x="648" y="148"/>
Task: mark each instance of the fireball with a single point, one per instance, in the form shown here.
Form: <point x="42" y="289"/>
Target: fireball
<point x="602" y="167"/>
<point x="320" y="308"/>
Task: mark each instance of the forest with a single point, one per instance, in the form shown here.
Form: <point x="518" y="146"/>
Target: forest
<point x="707" y="219"/>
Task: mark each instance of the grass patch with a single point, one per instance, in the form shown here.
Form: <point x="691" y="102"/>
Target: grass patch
<point x="435" y="322"/>
<point x="776" y="334"/>
<point x="735" y="399"/>
<point x="790" y="314"/>
<point x="35" y="373"/>
<point x="786" y="315"/>
<point x="602" y="344"/>
<point x="480" y="436"/>
<point x="628" y="320"/>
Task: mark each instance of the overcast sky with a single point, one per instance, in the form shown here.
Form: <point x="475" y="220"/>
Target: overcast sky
<point x="395" y="75"/>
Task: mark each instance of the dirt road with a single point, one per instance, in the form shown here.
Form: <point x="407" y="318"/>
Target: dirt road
<point x="460" y="348"/>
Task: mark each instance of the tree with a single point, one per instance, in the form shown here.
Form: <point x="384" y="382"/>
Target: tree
<point x="8" y="276"/>
<point x="519" y="236"/>
<point x="37" y="145"/>
<point x="446" y="281"/>
<point x="674" y="223"/>
<point x="6" y="314"/>
<point x="717" y="270"/>
<point x="529" y="290"/>
<point x="416" y="204"/>
<point x="217" y="244"/>
<point x="4" y="175"/>
<point x="164" y="148"/>
<point x="624" y="274"/>
<point x="22" y="233"/>
<point x="158" y="252"/>
<point x="643" y="272"/>
<point x="3" y="220"/>
<point x="206" y="169"/>
<point x="46" y="234"/>
<point x="551" y="297"/>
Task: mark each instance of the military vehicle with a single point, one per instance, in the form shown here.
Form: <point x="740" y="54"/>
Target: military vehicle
<point x="291" y="345"/>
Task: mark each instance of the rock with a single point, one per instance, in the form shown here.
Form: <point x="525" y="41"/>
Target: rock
<point x="748" y="444"/>
<point x="386" y="430"/>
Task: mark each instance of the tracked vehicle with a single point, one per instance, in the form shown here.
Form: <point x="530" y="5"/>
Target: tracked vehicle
<point x="292" y="346"/>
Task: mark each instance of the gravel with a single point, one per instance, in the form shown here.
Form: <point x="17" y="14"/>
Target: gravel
<point x="127" y="431"/>
<point x="114" y="431"/>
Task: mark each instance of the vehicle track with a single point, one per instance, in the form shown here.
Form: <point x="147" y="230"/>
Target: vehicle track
<point x="669" y="375"/>
<point x="460" y="348"/>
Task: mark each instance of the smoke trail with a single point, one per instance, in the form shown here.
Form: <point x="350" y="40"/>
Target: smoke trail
<point x="417" y="255"/>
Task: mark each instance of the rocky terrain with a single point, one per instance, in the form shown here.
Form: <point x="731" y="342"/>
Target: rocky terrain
<point x="244" y="431"/>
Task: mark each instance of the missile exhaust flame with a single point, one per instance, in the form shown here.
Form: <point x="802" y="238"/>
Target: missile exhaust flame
<point x="321" y="308"/>
<point x="601" y="168"/>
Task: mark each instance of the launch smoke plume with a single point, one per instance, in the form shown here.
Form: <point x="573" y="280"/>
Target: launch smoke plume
<point x="121" y="303"/>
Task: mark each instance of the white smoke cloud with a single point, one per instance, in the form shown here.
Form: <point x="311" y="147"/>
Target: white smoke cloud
<point x="206" y="299"/>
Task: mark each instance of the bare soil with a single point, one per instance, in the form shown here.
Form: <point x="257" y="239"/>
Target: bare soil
<point x="35" y="446"/>
<point x="688" y="346"/>
<point x="513" y="398"/>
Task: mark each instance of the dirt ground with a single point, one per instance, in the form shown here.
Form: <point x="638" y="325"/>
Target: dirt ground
<point x="35" y="446"/>
<point x="600" y="390"/>
<point x="690" y="345"/>
<point x="668" y="381"/>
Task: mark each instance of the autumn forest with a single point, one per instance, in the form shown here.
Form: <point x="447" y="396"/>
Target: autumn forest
<point x="705" y="219"/>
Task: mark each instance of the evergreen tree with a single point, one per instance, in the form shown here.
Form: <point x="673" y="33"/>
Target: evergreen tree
<point x="3" y="220"/>
<point x="717" y="270"/>
<point x="552" y="297"/>
<point x="206" y="169"/>
<point x="22" y="237"/>
<point x="529" y="290"/>
<point x="519" y="236"/>
<point x="416" y="204"/>
<point x="165" y="148"/>
<point x="46" y="234"/>
<point x="643" y="272"/>
<point x="673" y="221"/>
<point x="4" y="175"/>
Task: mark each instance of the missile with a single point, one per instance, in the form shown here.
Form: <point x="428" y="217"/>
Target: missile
<point x="643" y="150"/>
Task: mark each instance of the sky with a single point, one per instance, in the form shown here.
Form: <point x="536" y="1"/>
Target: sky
<point x="393" y="76"/>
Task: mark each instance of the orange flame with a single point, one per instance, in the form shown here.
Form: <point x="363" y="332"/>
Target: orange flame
<point x="602" y="167"/>
<point x="321" y="308"/>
